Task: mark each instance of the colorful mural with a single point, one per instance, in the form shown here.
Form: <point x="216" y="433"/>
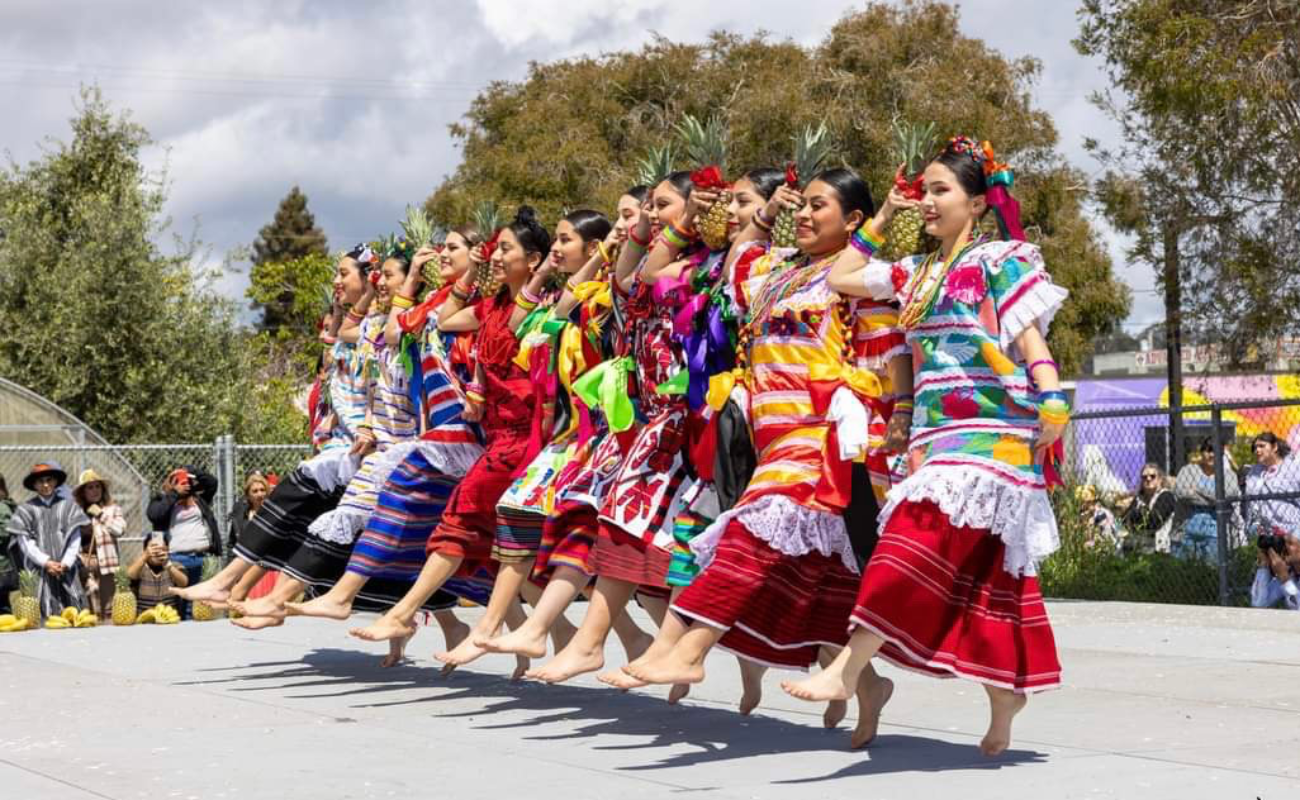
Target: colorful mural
<point x="1109" y="453"/>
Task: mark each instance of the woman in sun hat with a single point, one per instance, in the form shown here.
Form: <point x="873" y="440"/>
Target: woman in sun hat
<point x="99" y="556"/>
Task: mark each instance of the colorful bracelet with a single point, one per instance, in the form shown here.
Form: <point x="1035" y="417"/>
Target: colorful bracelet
<point x="865" y="241"/>
<point x="641" y="243"/>
<point x="402" y="301"/>
<point x="529" y="296"/>
<point x="1053" y="418"/>
<point x="676" y="237"/>
<point x="763" y="222"/>
<point x="1055" y="394"/>
<point x="604" y="253"/>
<point x="525" y="304"/>
<point x="474" y="396"/>
<point x="354" y="315"/>
<point x="1042" y="361"/>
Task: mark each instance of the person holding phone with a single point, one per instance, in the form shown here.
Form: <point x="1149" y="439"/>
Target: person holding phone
<point x="154" y="573"/>
<point x="182" y="512"/>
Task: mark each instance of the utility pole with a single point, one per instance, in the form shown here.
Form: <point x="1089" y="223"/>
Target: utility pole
<point x="1174" y="347"/>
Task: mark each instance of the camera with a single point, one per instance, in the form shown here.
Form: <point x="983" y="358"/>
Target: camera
<point x="1272" y="541"/>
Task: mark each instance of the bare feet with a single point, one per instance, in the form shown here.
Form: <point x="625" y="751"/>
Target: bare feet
<point x="576" y="659"/>
<point x="257" y="623"/>
<point x="1003" y="707"/>
<point x="836" y="711"/>
<point x="396" y="652"/>
<point x="454" y="635"/>
<point x="208" y="591"/>
<point x="871" y="700"/>
<point x="825" y="685"/>
<point x="638" y="647"/>
<point x="465" y="652"/>
<point x="261" y="607"/>
<point x="384" y="629"/>
<point x="678" y="692"/>
<point x="619" y="680"/>
<point x="669" y="668"/>
<point x="522" y="663"/>
<point x="525" y="641"/>
<point x="751" y="681"/>
<point x="325" y="606"/>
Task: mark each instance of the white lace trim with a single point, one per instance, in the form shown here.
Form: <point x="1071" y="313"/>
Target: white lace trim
<point x="453" y="460"/>
<point x="331" y="468"/>
<point x="337" y="526"/>
<point x="974" y="498"/>
<point x="784" y="525"/>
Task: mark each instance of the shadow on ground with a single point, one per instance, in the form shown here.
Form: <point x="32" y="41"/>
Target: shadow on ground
<point x="709" y="735"/>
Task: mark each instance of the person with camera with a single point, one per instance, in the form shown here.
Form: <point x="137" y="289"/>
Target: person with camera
<point x="1279" y="567"/>
<point x="153" y="575"/>
<point x="183" y="514"/>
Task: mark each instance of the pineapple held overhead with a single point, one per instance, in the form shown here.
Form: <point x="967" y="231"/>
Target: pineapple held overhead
<point x="655" y="165"/>
<point x="812" y="149"/>
<point x="912" y="147"/>
<point x="488" y="221"/>
<point x="421" y="232"/>
<point x="706" y="147"/>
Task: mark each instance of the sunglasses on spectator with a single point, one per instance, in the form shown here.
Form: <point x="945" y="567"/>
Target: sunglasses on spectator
<point x="1150" y="477"/>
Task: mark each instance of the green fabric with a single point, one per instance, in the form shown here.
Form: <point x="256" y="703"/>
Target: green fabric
<point x="605" y="387"/>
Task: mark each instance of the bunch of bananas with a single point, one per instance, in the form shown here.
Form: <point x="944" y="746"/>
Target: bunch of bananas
<point x="72" y="617"/>
<point x="11" y="624"/>
<point x="159" y="615"/>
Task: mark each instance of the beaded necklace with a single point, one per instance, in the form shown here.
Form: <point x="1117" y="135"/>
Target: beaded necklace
<point x="923" y="288"/>
<point x="777" y="288"/>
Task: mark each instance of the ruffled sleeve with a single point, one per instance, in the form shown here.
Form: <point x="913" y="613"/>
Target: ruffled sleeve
<point x="884" y="280"/>
<point x="1022" y="290"/>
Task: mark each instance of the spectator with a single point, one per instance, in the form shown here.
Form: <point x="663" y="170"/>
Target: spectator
<point x="256" y="488"/>
<point x="1197" y="530"/>
<point x="45" y="535"/>
<point x="8" y="573"/>
<point x="99" y="556"/>
<point x="1098" y="520"/>
<point x="1275" y="578"/>
<point x="183" y="514"/>
<point x="1150" y="516"/>
<point x="1274" y="473"/>
<point x="153" y="574"/>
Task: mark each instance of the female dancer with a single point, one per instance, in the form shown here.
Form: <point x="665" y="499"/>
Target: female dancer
<point x="464" y="540"/>
<point x="950" y="589"/>
<point x="779" y="569"/>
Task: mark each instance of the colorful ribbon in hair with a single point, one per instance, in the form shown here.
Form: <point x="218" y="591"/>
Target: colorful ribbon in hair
<point x="999" y="178"/>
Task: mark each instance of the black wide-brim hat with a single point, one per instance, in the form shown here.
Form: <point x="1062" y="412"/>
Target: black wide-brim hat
<point x="42" y="469"/>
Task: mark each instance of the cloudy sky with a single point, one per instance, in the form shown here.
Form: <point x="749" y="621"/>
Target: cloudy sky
<point x="351" y="101"/>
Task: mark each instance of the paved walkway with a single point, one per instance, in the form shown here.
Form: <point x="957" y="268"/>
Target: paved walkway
<point x="1162" y="702"/>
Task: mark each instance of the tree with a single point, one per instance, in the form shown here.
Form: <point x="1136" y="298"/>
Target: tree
<point x="288" y="239"/>
<point x="569" y="135"/>
<point x="96" y="316"/>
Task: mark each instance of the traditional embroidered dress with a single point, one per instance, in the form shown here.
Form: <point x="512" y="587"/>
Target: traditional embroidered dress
<point x="41" y="531"/>
<point x="952" y="587"/>
<point x="779" y="571"/>
<point x="468" y="528"/>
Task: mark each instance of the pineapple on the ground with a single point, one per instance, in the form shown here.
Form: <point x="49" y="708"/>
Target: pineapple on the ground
<point x="488" y="220"/>
<point x="912" y="147"/>
<point x="202" y="611"/>
<point x="706" y="147"/>
<point x="27" y="607"/>
<point x="123" y="598"/>
<point x="812" y="149"/>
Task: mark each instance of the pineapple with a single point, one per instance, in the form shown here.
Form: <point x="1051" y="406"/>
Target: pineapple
<point x="123" y="598"/>
<point x="488" y="220"/>
<point x="421" y="232"/>
<point x="706" y="147"/>
<point x="913" y="144"/>
<point x="27" y="607"/>
<point x="812" y="149"/>
<point x="655" y="166"/>
<point x="202" y="611"/>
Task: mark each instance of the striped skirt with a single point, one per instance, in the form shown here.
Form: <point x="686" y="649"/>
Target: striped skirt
<point x="776" y="609"/>
<point x="468" y="526"/>
<point x="568" y="538"/>
<point x="940" y="598"/>
<point x="277" y="535"/>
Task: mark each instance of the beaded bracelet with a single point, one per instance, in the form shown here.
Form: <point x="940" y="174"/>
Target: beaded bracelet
<point x="865" y="241"/>
<point x="401" y="301"/>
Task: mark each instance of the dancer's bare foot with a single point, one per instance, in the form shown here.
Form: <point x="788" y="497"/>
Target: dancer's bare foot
<point x="384" y="629"/>
<point x="1003" y="707"/>
<point x="325" y="607"/>
<point x="525" y="641"/>
<point x="208" y="592"/>
<point x="454" y="635"/>
<point x="836" y="711"/>
<point x="261" y="607"/>
<point x="257" y="623"/>
<point x="522" y="663"/>
<point x="638" y="647"/>
<point x="871" y="701"/>
<point x="619" y="680"/>
<point x="669" y="668"/>
<point x="396" y="652"/>
<point x="751" y="682"/>
<point x="825" y="685"/>
<point x="678" y="693"/>
<point x="574" y="660"/>
<point x="465" y="652"/>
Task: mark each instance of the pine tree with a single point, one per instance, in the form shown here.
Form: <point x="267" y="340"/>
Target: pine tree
<point x="291" y="238"/>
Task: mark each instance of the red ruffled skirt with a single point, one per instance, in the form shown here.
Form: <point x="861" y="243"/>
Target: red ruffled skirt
<point x="939" y="597"/>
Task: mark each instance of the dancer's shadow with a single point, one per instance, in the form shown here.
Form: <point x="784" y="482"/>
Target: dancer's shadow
<point x="637" y="720"/>
<point x="324" y="667"/>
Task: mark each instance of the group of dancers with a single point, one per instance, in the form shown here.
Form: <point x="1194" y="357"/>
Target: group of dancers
<point x="795" y="454"/>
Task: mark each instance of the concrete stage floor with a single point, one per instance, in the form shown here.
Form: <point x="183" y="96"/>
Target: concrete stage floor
<point x="1161" y="702"/>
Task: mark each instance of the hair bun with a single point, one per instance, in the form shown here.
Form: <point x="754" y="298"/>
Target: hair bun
<point x="526" y="215"/>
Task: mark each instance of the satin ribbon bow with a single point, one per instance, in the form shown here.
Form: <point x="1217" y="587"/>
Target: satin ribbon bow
<point x="846" y="396"/>
<point x="605" y="387"/>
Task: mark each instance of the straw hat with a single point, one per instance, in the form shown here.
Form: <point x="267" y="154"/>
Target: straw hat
<point x="88" y="477"/>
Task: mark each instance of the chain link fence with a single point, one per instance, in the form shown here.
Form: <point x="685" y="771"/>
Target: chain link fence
<point x="136" y="472"/>
<point x="1166" y="505"/>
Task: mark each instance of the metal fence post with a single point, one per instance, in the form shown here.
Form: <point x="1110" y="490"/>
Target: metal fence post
<point x="1222" y="509"/>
